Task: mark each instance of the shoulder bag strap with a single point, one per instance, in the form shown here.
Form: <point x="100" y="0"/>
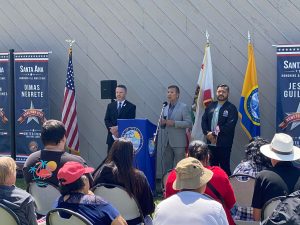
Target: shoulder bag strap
<point x="214" y="190"/>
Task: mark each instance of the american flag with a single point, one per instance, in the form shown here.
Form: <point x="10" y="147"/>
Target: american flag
<point x="69" y="113"/>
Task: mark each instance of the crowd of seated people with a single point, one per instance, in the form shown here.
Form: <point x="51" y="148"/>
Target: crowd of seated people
<point x="187" y="183"/>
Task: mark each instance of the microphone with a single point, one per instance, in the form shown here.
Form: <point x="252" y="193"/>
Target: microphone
<point x="164" y="105"/>
<point x="158" y="123"/>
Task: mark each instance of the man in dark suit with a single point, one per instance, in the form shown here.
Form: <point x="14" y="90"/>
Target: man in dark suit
<point x="218" y="124"/>
<point x="119" y="109"/>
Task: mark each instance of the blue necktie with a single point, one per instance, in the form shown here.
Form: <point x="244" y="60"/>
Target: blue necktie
<point x="119" y="107"/>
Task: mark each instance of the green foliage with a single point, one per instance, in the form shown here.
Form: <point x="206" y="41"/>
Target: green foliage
<point x="20" y="183"/>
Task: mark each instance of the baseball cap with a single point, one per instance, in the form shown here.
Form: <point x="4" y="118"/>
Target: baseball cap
<point x="72" y="171"/>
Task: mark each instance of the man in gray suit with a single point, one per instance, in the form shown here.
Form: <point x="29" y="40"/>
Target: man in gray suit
<point x="176" y="118"/>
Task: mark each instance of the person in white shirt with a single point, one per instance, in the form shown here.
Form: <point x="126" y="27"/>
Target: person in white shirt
<point x="190" y="205"/>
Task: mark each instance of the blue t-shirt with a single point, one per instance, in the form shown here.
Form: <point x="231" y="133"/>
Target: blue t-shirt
<point x="92" y="207"/>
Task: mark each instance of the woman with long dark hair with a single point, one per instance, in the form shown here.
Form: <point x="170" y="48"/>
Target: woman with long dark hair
<point x="118" y="169"/>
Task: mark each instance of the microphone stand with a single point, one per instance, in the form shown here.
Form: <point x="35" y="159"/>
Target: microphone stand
<point x="158" y="123"/>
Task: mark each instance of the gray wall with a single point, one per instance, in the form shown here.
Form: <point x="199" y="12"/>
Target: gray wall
<point x="148" y="45"/>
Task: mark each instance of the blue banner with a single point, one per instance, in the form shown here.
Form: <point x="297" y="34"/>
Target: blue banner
<point x="5" y="134"/>
<point x="288" y="91"/>
<point x="31" y="101"/>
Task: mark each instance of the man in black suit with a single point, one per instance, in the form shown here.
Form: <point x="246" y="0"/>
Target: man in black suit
<point x="119" y="109"/>
<point x="218" y="124"/>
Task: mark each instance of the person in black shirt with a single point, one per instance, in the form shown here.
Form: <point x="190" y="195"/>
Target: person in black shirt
<point x="42" y="166"/>
<point x="283" y="178"/>
<point x="218" y="125"/>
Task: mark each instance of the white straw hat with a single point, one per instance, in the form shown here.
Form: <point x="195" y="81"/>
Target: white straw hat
<point x="281" y="148"/>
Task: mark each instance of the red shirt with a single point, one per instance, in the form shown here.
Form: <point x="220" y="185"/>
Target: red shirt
<point x="220" y="182"/>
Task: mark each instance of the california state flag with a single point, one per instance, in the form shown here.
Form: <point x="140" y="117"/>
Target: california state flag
<point x="204" y="94"/>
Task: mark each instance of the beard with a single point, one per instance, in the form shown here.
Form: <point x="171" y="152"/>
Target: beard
<point x="222" y="98"/>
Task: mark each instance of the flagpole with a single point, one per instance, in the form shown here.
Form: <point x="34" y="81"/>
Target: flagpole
<point x="207" y="36"/>
<point x="249" y="37"/>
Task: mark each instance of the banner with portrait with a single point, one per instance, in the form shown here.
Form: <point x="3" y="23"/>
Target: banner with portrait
<point x="288" y="91"/>
<point x="5" y="134"/>
<point x="31" y="101"/>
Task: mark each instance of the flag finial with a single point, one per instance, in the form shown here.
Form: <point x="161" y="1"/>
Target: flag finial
<point x="71" y="42"/>
<point x="207" y="36"/>
<point x="249" y="37"/>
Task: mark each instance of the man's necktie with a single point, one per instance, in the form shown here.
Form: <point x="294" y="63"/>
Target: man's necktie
<point x="119" y="107"/>
<point x="171" y="108"/>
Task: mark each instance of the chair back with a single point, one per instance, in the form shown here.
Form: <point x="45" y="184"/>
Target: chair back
<point x="54" y="217"/>
<point x="270" y="206"/>
<point x="7" y="216"/>
<point x="120" y="199"/>
<point x="45" y="196"/>
<point x="243" y="187"/>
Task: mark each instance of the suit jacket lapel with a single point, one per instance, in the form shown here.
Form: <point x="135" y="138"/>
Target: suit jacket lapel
<point x="115" y="107"/>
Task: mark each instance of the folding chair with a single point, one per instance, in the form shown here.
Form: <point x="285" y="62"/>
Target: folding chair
<point x="120" y="199"/>
<point x="45" y="196"/>
<point x="243" y="187"/>
<point x="270" y="206"/>
<point x="60" y="216"/>
<point x="8" y="217"/>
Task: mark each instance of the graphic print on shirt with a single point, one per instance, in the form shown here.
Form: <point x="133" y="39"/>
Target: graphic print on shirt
<point x="42" y="170"/>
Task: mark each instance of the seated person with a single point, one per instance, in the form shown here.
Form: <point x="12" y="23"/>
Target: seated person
<point x="190" y="206"/>
<point x="42" y="166"/>
<point x="253" y="163"/>
<point x="15" y="198"/>
<point x="283" y="178"/>
<point x="74" y="187"/>
<point x="118" y="169"/>
<point x="219" y="187"/>
<point x="254" y="160"/>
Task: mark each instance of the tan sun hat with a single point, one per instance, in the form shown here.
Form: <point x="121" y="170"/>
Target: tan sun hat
<point x="281" y="148"/>
<point x="191" y="174"/>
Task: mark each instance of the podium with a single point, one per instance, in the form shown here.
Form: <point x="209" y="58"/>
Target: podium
<point x="140" y="132"/>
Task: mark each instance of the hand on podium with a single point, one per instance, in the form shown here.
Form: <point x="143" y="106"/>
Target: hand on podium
<point x="114" y="131"/>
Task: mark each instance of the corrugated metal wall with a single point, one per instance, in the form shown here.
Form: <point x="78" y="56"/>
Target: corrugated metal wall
<point x="148" y="45"/>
